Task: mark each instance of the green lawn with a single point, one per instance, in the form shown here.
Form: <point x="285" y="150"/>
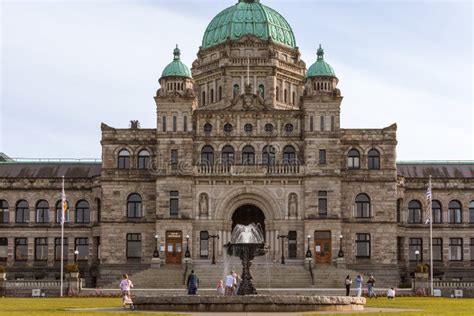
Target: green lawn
<point x="59" y="306"/>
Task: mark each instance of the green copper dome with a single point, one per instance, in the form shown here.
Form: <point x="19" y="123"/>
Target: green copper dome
<point x="248" y="17"/>
<point x="176" y="68"/>
<point x="320" y="68"/>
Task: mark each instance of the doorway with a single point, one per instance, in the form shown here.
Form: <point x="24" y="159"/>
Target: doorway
<point x="322" y="247"/>
<point x="174" y="247"/>
<point x="248" y="214"/>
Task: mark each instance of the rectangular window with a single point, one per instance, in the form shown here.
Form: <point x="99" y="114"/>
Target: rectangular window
<point x="322" y="156"/>
<point x="204" y="244"/>
<point x="57" y="249"/>
<point x="174" y="158"/>
<point x="134" y="245"/>
<point x="175" y="123"/>
<point x="332" y="123"/>
<point x="322" y="203"/>
<point x="471" y="249"/>
<point x="4" y="214"/>
<point x="41" y="249"/>
<point x="82" y="245"/>
<point x="322" y="124"/>
<point x="399" y="210"/>
<point x="415" y="244"/>
<point x="414" y="215"/>
<point x="21" y="249"/>
<point x="437" y="249"/>
<point x="455" y="215"/>
<point x="455" y="249"/>
<point x="174" y="203"/>
<point x="292" y="246"/>
<point x="400" y="248"/>
<point x="363" y="245"/>
<point x="311" y="124"/>
<point x="185" y="123"/>
<point x="3" y="249"/>
<point x="163" y="123"/>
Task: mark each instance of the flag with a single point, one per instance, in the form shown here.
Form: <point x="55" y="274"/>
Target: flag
<point x="64" y="205"/>
<point x="429" y="197"/>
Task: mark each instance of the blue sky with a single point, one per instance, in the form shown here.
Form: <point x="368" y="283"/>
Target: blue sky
<point x="67" y="66"/>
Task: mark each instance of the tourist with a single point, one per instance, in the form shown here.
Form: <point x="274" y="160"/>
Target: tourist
<point x="391" y="293"/>
<point x="237" y="283"/>
<point x="358" y="283"/>
<point x="125" y="286"/>
<point x="220" y="288"/>
<point x="193" y="283"/>
<point x="370" y="286"/>
<point x="230" y="282"/>
<point x="348" y="283"/>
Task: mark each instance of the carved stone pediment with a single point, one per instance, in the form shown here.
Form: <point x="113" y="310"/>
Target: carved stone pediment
<point x="247" y="102"/>
<point x="174" y="96"/>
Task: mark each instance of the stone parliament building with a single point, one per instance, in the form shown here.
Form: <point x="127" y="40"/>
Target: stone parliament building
<point x="249" y="134"/>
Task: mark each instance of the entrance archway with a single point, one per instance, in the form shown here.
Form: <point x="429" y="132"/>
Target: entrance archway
<point x="248" y="214"/>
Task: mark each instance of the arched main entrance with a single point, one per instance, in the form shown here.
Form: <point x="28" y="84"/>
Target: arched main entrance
<point x="248" y="214"/>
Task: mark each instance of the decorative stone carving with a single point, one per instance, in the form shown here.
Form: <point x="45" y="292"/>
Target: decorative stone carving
<point x="204" y="205"/>
<point x="292" y="205"/>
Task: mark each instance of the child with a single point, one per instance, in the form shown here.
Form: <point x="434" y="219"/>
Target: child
<point x="220" y="288"/>
<point x="391" y="293"/>
<point x="127" y="301"/>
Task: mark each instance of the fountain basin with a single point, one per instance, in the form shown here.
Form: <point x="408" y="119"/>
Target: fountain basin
<point x="249" y="303"/>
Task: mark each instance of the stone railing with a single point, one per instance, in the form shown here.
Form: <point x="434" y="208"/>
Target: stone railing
<point x="453" y="284"/>
<point x="250" y="170"/>
<point x="31" y="284"/>
<point x="24" y="288"/>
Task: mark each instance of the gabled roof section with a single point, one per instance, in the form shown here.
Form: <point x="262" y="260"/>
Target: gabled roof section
<point x="73" y="170"/>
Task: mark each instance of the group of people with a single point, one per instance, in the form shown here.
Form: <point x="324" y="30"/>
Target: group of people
<point x="231" y="285"/>
<point x="359" y="281"/>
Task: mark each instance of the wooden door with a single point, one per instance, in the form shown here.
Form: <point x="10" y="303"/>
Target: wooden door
<point x="292" y="246"/>
<point x="322" y="247"/>
<point x="174" y="247"/>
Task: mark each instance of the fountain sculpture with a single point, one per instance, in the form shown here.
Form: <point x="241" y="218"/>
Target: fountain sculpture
<point x="246" y="243"/>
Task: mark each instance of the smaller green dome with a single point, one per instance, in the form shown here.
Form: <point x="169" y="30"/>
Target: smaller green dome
<point x="320" y="68"/>
<point x="176" y="68"/>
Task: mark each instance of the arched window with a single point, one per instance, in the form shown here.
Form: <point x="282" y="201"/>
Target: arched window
<point x="203" y="98"/>
<point x="143" y="159"/>
<point x="42" y="212"/>
<point x="211" y="94"/>
<point x="268" y="127"/>
<point x="362" y="206"/>
<point x="248" y="155"/>
<point x="285" y="96"/>
<point x="83" y="215"/>
<point x="228" y="155"/>
<point x="414" y="212"/>
<point x="471" y="217"/>
<point x="436" y="212"/>
<point x="207" y="128"/>
<point x="268" y="155"/>
<point x="455" y="212"/>
<point x="207" y="155"/>
<point x="59" y="211"/>
<point x="353" y="159"/>
<point x="228" y="128"/>
<point x="220" y="93"/>
<point x="293" y="98"/>
<point x="134" y="206"/>
<point x="236" y="90"/>
<point x="124" y="159"/>
<point x="289" y="155"/>
<point x="248" y="128"/>
<point x="4" y="213"/>
<point x="22" y="215"/>
<point x="277" y="91"/>
<point x="374" y="159"/>
<point x="289" y="128"/>
<point x="261" y="91"/>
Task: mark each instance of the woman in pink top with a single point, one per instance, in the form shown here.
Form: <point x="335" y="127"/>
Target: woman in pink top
<point x="125" y="286"/>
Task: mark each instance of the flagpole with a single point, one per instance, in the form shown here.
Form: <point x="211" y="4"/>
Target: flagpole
<point x="62" y="238"/>
<point x="431" y="241"/>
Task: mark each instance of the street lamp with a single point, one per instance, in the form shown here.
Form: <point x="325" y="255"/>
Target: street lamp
<point x="76" y="253"/>
<point x="282" y="237"/>
<point x="214" y="247"/>
<point x="156" y="253"/>
<point x="340" y="254"/>
<point x="417" y="253"/>
<point x="308" y="252"/>
<point x="187" y="254"/>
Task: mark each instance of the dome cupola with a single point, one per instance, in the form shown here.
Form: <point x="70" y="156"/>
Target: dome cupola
<point x="176" y="68"/>
<point x="320" y="68"/>
<point x="248" y="17"/>
<point x="320" y="77"/>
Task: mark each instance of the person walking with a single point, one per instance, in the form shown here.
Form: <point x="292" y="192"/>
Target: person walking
<point x="192" y="283"/>
<point x="125" y="287"/>
<point x="370" y="286"/>
<point x="348" y="283"/>
<point x="230" y="282"/>
<point x="358" y="283"/>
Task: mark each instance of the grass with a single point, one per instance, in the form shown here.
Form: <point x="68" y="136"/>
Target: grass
<point x="60" y="306"/>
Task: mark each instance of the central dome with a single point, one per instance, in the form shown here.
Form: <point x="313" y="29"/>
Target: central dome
<point x="248" y="17"/>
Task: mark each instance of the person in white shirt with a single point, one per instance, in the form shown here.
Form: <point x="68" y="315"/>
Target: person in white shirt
<point x="230" y="282"/>
<point x="391" y="293"/>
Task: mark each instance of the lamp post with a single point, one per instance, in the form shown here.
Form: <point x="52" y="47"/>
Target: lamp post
<point x="76" y="253"/>
<point x="417" y="253"/>
<point x="214" y="247"/>
<point x="308" y="252"/>
<point x="282" y="237"/>
<point x="156" y="253"/>
<point x="187" y="254"/>
<point x="340" y="254"/>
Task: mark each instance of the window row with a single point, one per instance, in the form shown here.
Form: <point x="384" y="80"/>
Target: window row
<point x="455" y="249"/>
<point x="42" y="212"/>
<point x="124" y="158"/>
<point x="323" y="126"/>
<point x="248" y="128"/>
<point x="373" y="159"/>
<point x="174" y="123"/>
<point x="248" y="155"/>
<point x="454" y="212"/>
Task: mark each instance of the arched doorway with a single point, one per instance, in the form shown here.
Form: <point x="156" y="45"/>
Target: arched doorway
<point x="248" y="214"/>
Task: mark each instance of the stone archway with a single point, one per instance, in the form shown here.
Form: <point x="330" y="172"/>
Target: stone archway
<point x="247" y="214"/>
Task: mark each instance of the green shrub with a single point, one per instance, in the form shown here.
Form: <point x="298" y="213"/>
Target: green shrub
<point x="2" y="269"/>
<point x="422" y="268"/>
<point x="72" y="267"/>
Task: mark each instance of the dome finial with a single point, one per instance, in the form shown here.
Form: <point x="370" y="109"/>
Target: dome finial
<point x="176" y="53"/>
<point x="320" y="53"/>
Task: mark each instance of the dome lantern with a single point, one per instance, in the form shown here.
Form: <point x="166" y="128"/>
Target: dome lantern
<point x="176" y="68"/>
<point x="320" y="76"/>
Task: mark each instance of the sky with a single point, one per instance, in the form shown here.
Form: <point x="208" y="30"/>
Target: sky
<point x="67" y="66"/>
